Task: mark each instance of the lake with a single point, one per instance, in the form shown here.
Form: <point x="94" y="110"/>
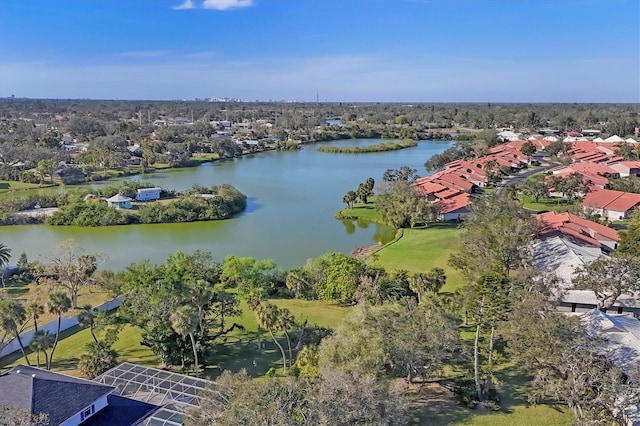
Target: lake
<point x="293" y="197"/>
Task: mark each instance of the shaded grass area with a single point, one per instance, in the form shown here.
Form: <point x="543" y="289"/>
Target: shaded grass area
<point x="513" y="389"/>
<point x="241" y="348"/>
<point x="514" y="407"/>
<point x="235" y="351"/>
<point x="418" y="250"/>
<point x="30" y="291"/>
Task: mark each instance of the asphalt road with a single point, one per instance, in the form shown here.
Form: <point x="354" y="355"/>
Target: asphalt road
<point x="524" y="175"/>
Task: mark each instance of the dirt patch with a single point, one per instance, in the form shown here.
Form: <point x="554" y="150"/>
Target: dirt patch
<point x="47" y="211"/>
<point x="434" y="404"/>
<point x="364" y="252"/>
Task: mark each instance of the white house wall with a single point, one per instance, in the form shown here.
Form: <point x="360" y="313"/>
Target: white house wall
<point x="75" y="420"/>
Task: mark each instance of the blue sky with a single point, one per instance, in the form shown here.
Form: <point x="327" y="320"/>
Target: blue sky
<point x="348" y="50"/>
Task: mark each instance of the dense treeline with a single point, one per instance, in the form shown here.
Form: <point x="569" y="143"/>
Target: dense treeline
<point x="31" y="130"/>
<point x="610" y="118"/>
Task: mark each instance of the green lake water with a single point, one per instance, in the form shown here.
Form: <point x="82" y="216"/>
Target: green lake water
<point x="293" y="198"/>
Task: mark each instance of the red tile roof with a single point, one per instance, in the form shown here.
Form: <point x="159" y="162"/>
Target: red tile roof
<point x="455" y="180"/>
<point x="454" y="204"/>
<point x="616" y="201"/>
<point x="447" y="193"/>
<point x="578" y="227"/>
<point x="626" y="166"/>
<point x="593" y="168"/>
<point x="597" y="180"/>
<point x="426" y="187"/>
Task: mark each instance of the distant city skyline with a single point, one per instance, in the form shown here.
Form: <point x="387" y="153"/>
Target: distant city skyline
<point x="342" y="50"/>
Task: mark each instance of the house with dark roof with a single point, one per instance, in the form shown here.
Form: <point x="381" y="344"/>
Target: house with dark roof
<point x="68" y="401"/>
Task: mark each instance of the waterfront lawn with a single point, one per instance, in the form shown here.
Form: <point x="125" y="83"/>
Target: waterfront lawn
<point x="418" y="250"/>
<point x="12" y="185"/>
<point x="362" y="211"/>
<point x="204" y="157"/>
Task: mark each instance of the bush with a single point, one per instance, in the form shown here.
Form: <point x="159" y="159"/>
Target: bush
<point x="92" y="213"/>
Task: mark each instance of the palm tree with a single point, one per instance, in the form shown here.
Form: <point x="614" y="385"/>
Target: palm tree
<point x="490" y="167"/>
<point x="185" y="322"/>
<point x="511" y="192"/>
<point x="12" y="317"/>
<point x="34" y="310"/>
<point x="86" y="318"/>
<point x="42" y="341"/>
<point x="285" y="322"/>
<point x="431" y="281"/>
<point x="58" y="304"/>
<point x="268" y="315"/>
<point x="5" y="255"/>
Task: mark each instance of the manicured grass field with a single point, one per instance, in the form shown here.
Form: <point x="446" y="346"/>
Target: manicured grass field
<point x="547" y="204"/>
<point x="418" y="250"/>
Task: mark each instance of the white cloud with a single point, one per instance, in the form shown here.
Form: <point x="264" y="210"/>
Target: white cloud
<point x="226" y="4"/>
<point x="187" y="4"/>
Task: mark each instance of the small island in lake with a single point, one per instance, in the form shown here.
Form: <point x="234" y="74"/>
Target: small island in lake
<point x="378" y="147"/>
<point x="131" y="204"/>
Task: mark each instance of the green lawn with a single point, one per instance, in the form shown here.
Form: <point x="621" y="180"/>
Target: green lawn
<point x="547" y="204"/>
<point x="362" y="211"/>
<point x="71" y="345"/>
<point x="233" y="352"/>
<point x="11" y="185"/>
<point x="206" y="157"/>
<point x="418" y="250"/>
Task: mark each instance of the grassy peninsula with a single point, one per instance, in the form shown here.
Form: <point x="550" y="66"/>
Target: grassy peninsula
<point x="378" y="147"/>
